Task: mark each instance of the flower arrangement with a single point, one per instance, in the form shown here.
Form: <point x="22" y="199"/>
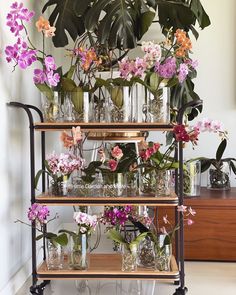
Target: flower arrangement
<point x="168" y="229"/>
<point x="83" y="61"/>
<point x="39" y="215"/>
<point x="59" y="167"/>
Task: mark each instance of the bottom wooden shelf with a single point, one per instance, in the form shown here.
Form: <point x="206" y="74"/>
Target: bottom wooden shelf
<point x="108" y="266"/>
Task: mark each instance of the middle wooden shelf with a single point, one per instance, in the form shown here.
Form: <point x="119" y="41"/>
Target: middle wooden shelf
<point x="46" y="199"/>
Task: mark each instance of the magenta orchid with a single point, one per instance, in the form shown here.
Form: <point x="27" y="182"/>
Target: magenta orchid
<point x="38" y="213"/>
<point x="23" y="53"/>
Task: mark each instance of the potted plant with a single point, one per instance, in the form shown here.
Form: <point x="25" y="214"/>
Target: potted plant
<point x="38" y="215"/>
<point x="219" y="168"/>
<point x="121" y="24"/>
<point x="129" y="248"/>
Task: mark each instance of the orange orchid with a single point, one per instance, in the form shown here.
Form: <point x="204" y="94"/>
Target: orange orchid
<point x="42" y="24"/>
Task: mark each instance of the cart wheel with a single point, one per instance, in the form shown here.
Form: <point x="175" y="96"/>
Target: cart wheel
<point x="181" y="291"/>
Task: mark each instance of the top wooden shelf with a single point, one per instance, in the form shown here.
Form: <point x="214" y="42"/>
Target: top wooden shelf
<point x="57" y="126"/>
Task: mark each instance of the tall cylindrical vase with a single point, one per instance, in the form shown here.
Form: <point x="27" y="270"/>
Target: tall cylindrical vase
<point x="79" y="256"/>
<point x="121" y="104"/>
<point x="192" y="178"/>
<point x="157" y="106"/>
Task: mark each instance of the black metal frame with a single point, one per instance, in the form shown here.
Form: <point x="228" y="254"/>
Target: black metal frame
<point x="38" y="289"/>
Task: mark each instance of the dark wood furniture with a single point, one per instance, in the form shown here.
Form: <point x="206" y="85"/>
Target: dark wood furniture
<point x="212" y="237"/>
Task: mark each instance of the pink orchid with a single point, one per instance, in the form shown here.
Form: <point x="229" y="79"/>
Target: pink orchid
<point x="112" y="164"/>
<point x="182" y="208"/>
<point x="117" y="153"/>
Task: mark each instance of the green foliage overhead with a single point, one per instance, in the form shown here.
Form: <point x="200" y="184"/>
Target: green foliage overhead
<point x="121" y="23"/>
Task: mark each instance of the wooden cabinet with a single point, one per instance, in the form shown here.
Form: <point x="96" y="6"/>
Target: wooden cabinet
<point x="212" y="237"/>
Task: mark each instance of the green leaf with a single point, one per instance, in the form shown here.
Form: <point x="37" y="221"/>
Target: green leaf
<point x="154" y="81"/>
<point x="116" y="93"/>
<point x="64" y="17"/>
<point x="61" y="239"/>
<point x="205" y="164"/>
<point x="233" y="167"/>
<point x="116" y="236"/>
<point x="46" y="90"/>
<point x="200" y="14"/>
<point x="221" y="149"/>
<point x="71" y="233"/>
<point x="77" y="98"/>
<point x="138" y="239"/>
<point x="146" y="20"/>
<point x="68" y="84"/>
<point x="70" y="73"/>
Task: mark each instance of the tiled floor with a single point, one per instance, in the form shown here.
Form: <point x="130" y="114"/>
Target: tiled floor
<point x="204" y="278"/>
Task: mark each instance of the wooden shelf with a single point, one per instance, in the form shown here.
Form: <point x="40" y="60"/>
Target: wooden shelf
<point x="108" y="266"/>
<point x="46" y="199"/>
<point x="57" y="126"/>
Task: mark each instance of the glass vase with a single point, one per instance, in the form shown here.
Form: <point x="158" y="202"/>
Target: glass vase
<point x="56" y="188"/>
<point x="219" y="178"/>
<point x="163" y="258"/>
<point x="79" y="256"/>
<point x="192" y="178"/>
<point x="146" y="253"/>
<point x="51" y="106"/>
<point x="80" y="101"/>
<point x="157" y="107"/>
<point x="114" y="184"/>
<point x="129" y="259"/>
<point x="55" y="256"/>
<point x="163" y="183"/>
<point x="132" y="183"/>
<point x="99" y="106"/>
<point x="147" y="182"/>
<point x="121" y="104"/>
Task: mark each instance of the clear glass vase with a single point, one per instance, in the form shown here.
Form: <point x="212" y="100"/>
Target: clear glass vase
<point x="163" y="183"/>
<point x="147" y="182"/>
<point x="129" y="259"/>
<point x="121" y="104"/>
<point x="77" y="104"/>
<point x="192" y="178"/>
<point x="163" y="258"/>
<point x="146" y="253"/>
<point x="55" y="256"/>
<point x="79" y="252"/>
<point x="114" y="184"/>
<point x="157" y="108"/>
<point x="99" y="106"/>
<point x="51" y="106"/>
<point x="219" y="178"/>
<point x="132" y="183"/>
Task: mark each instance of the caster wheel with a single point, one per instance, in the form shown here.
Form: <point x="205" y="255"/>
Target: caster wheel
<point x="181" y="291"/>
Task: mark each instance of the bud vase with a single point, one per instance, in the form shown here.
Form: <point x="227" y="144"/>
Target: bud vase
<point x="79" y="257"/>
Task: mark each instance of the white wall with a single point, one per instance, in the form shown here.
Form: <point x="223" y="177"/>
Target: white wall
<point x="15" y="246"/>
<point x="215" y="84"/>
